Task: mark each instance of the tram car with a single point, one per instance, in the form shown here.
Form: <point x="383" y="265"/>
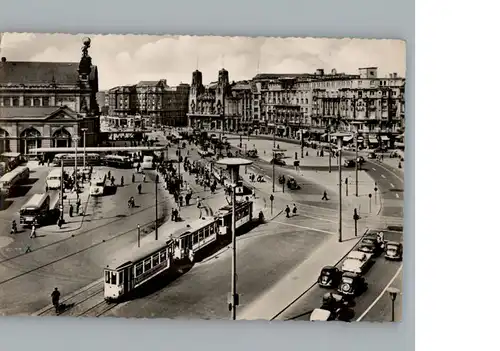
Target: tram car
<point x="131" y="269"/>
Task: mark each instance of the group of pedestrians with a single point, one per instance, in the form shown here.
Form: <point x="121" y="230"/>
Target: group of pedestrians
<point x="287" y="211"/>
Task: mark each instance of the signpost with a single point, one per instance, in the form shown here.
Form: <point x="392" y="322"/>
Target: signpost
<point x="370" y="209"/>
<point x="272" y="199"/>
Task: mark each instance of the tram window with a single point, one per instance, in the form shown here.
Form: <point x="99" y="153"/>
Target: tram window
<point x="212" y="230"/>
<point x="195" y="239"/>
<point x="106" y="277"/>
<point x="221" y="222"/>
<point x="163" y="255"/>
<point x="113" y="278"/>
<point x="147" y="265"/>
<point x="156" y="260"/>
<point x="120" y="278"/>
<point x="139" y="269"/>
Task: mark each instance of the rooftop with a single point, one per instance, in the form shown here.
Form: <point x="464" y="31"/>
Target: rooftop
<point x="24" y="112"/>
<point x="24" y="72"/>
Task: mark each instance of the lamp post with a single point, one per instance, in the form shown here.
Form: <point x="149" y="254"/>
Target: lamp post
<point x="157" y="179"/>
<point x="393" y="293"/>
<point x="75" y="140"/>
<point x="357" y="161"/>
<point x="340" y="139"/>
<point x="61" y="200"/>
<point x="84" y="130"/>
<point x="233" y="165"/>
<point x="274" y="162"/>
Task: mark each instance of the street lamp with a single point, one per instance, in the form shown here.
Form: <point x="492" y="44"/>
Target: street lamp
<point x="340" y="139"/>
<point x="157" y="180"/>
<point x="393" y="293"/>
<point x="233" y="165"/>
<point x="274" y="162"/>
<point x="357" y="161"/>
<point x="84" y="130"/>
<point x="75" y="140"/>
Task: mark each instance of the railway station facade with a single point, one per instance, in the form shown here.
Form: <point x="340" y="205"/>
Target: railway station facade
<point x="48" y="104"/>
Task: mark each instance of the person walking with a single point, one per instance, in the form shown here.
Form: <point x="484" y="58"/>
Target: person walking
<point x="55" y="299"/>
<point x="133" y="178"/>
<point x="287" y="211"/>
<point x="121" y="181"/>
<point x="253" y="193"/>
<point x="325" y="196"/>
<point x="294" y="210"/>
<point x="139" y="188"/>
<point x="33" y="232"/>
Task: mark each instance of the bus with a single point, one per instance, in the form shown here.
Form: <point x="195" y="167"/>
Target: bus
<point x="117" y="161"/>
<point x="53" y="180"/>
<point x="9" y="180"/>
<point x="69" y="159"/>
<point x="98" y="183"/>
<point x="12" y="159"/>
<point x="36" y="211"/>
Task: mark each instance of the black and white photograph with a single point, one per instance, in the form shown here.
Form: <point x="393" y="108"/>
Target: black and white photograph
<point x="202" y="177"/>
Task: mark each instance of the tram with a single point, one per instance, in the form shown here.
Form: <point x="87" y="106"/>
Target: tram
<point x="131" y="269"/>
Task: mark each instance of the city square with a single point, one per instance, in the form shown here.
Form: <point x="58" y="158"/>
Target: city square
<point x="279" y="196"/>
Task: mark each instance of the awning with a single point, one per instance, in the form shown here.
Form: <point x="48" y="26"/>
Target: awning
<point x="373" y="140"/>
<point x="347" y="138"/>
<point x="384" y="138"/>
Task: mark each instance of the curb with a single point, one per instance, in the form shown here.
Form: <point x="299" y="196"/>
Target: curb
<point x="73" y="229"/>
<point x="314" y="284"/>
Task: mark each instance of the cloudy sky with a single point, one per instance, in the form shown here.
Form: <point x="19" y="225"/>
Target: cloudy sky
<point x="128" y="59"/>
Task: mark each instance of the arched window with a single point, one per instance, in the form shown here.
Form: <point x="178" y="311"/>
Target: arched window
<point x="30" y="139"/>
<point x="61" y="138"/>
<point x="4" y="141"/>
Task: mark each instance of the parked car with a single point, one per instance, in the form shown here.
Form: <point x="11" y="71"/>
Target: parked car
<point x="329" y="277"/>
<point x="348" y="163"/>
<point x="352" y="285"/>
<point x="361" y="160"/>
<point x="372" y="156"/>
<point x="321" y="315"/>
<point x="338" y="306"/>
<point x="394" y="251"/>
<point x="292" y="184"/>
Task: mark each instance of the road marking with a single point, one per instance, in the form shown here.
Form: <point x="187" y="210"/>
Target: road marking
<point x="381" y="294"/>
<point x="383" y="176"/>
<point x="303" y="227"/>
<point x="318" y="218"/>
<point x="374" y="169"/>
<point x="397" y="195"/>
<point x="392" y="185"/>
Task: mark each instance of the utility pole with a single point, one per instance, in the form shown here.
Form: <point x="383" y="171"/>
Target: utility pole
<point x="61" y="205"/>
<point x="138" y="235"/>
<point x="357" y="167"/>
<point x="156" y="206"/>
<point x="84" y="130"/>
<point x="340" y="189"/>
<point x="329" y="152"/>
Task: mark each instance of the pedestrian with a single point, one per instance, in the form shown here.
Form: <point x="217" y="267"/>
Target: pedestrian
<point x="139" y="188"/>
<point x="144" y="180"/>
<point x="55" y="299"/>
<point x="109" y="174"/>
<point x="121" y="181"/>
<point x="33" y="232"/>
<point x="112" y="181"/>
<point x="325" y="196"/>
<point x="253" y="193"/>
<point x="78" y="204"/>
<point x="60" y="223"/>
<point x="294" y="210"/>
<point x="287" y="211"/>
<point x="71" y="210"/>
<point x="133" y="178"/>
<point x="180" y="200"/>
<point x="198" y="202"/>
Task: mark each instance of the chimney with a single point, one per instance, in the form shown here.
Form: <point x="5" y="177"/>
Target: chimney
<point x="4" y="59"/>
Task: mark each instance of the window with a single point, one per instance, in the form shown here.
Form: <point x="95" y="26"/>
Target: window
<point x="6" y="101"/>
<point x="15" y="102"/>
<point x="45" y="101"/>
<point x="36" y="102"/>
<point x="156" y="260"/>
<point x="106" y="277"/>
<point x="139" y="269"/>
<point x="195" y="239"/>
<point x="113" y="278"/>
<point x="163" y="256"/>
<point x="120" y="277"/>
<point x="147" y="265"/>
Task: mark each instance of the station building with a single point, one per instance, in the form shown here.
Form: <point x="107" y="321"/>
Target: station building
<point x="48" y="104"/>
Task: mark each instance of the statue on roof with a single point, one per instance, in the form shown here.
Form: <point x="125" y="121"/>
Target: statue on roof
<point x="86" y="60"/>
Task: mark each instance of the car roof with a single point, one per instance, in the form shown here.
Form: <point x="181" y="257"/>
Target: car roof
<point x="328" y="267"/>
<point x="329" y="295"/>
<point x="394" y="243"/>
<point x="350" y="275"/>
<point x="319" y="314"/>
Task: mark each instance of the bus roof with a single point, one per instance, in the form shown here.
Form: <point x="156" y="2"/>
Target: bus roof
<point x="55" y="172"/>
<point x="35" y="201"/>
<point x="7" y="177"/>
<point x="11" y="154"/>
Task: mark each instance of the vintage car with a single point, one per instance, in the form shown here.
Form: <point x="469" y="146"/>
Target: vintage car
<point x="292" y="184"/>
<point x="252" y="153"/>
<point x="329" y="277"/>
<point x="371" y="246"/>
<point x="352" y="285"/>
<point x="339" y="307"/>
<point x="357" y="262"/>
<point x="320" y="315"/>
<point x="372" y="156"/>
<point x="348" y="163"/>
<point x="394" y="251"/>
<point x="278" y="161"/>
<point x="361" y="160"/>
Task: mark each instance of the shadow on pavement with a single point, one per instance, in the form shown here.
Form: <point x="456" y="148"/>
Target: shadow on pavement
<point x="5" y="204"/>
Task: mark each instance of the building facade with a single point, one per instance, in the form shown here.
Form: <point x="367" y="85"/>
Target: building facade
<point x="47" y="104"/>
<point x="154" y="102"/>
<point x="220" y="105"/>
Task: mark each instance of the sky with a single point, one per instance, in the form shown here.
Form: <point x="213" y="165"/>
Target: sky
<point x="128" y="59"/>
